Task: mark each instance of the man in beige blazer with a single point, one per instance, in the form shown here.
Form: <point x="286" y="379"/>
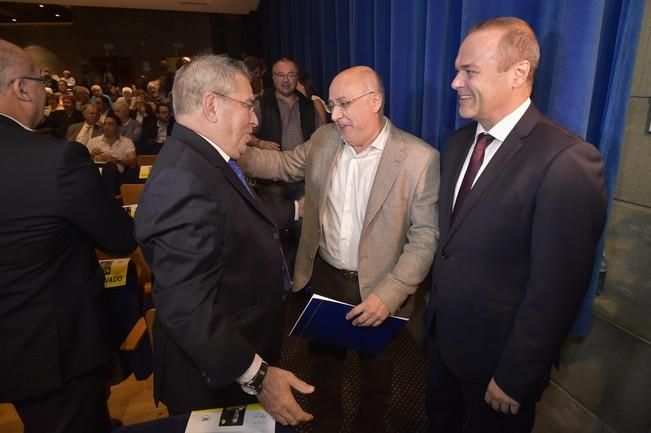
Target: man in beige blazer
<point x="369" y="230"/>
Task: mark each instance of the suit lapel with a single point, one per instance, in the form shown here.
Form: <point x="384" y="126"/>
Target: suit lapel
<point x="329" y="162"/>
<point x="495" y="167"/>
<point x="387" y="171"/>
<point x="201" y="146"/>
<point x="455" y="156"/>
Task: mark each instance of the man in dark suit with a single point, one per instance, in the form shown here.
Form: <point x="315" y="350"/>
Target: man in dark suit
<point x="521" y="212"/>
<point x="213" y="248"/>
<point x="54" y="214"/>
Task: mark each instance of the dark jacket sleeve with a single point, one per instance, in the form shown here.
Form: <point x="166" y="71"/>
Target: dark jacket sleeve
<point x="83" y="200"/>
<point x="567" y="224"/>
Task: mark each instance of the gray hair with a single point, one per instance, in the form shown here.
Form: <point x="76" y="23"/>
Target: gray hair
<point x="120" y="102"/>
<point x="209" y="73"/>
<point x="11" y="60"/>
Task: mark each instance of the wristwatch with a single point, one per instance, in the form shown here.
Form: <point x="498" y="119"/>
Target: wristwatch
<point x="254" y="386"/>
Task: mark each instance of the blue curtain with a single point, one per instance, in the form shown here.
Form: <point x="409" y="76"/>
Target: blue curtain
<point x="588" y="54"/>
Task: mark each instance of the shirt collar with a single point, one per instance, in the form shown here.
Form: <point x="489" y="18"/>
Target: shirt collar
<point x="217" y="148"/>
<point x="503" y="128"/>
<point x="379" y="142"/>
<point x="17" y="121"/>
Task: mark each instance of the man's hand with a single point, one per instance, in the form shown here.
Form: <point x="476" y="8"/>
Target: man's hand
<point x="107" y="157"/>
<point x="371" y="312"/>
<point x="268" y="145"/>
<point x="277" y="399"/>
<point x="499" y="401"/>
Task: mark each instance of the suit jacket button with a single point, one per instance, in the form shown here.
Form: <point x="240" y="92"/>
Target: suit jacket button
<point x="276" y="235"/>
<point x="444" y="255"/>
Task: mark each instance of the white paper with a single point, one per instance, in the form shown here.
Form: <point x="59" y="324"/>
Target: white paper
<point x="250" y="419"/>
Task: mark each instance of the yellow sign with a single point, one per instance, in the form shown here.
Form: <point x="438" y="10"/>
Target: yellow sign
<point x="131" y="209"/>
<point x="144" y="172"/>
<point x="115" y="272"/>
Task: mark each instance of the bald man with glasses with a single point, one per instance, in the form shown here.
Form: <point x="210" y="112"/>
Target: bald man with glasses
<point x="369" y="231"/>
<point x="54" y="329"/>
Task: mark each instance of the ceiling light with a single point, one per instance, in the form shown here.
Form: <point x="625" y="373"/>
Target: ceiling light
<point x="57" y="15"/>
<point x="41" y="6"/>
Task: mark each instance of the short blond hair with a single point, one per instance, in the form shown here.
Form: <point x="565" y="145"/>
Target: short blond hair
<point x="518" y="42"/>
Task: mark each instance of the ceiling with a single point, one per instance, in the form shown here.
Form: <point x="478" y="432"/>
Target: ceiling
<point x="31" y="11"/>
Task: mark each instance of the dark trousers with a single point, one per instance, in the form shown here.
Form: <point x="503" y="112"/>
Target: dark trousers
<point x="455" y="405"/>
<point x="78" y="407"/>
<point x="327" y="362"/>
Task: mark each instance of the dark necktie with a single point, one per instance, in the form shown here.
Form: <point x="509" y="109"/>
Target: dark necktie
<point x="287" y="280"/>
<point x="476" y="159"/>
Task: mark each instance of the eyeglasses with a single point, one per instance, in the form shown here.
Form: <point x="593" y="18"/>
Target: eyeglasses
<point x="343" y="105"/>
<point x="282" y="76"/>
<point x="249" y="106"/>
<point x="26" y="77"/>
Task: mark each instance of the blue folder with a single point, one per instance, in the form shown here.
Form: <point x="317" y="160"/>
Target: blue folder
<point x="325" y="318"/>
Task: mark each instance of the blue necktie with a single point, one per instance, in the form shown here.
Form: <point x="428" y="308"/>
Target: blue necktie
<point x="287" y="280"/>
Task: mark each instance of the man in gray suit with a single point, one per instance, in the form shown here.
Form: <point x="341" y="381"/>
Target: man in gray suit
<point x="82" y="132"/>
<point x="369" y="230"/>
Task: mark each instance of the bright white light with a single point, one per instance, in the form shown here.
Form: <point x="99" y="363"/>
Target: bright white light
<point x="57" y="15"/>
<point x="14" y="19"/>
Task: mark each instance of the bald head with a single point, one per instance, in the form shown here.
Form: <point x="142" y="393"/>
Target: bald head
<point x="21" y="90"/>
<point x="364" y="76"/>
<point x="357" y="98"/>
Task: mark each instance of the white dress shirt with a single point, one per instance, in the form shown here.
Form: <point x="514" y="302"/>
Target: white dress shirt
<point x="120" y="148"/>
<point x="347" y="201"/>
<point x="84" y="134"/>
<point x="499" y="132"/>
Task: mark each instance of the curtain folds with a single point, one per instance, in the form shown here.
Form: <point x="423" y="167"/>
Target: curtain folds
<point x="584" y="80"/>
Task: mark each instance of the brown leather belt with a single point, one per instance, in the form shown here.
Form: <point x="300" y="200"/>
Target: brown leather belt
<point x="347" y="275"/>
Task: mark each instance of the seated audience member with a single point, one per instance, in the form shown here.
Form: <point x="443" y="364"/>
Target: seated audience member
<point x="52" y="103"/>
<point x="153" y="92"/>
<point x="154" y="134"/>
<point x="62" y="87"/>
<point x="69" y="79"/>
<point x="48" y="81"/>
<point x="127" y="94"/>
<point x="82" y="95"/>
<point x="103" y="107"/>
<point x="54" y="330"/>
<point x="130" y="128"/>
<point x="113" y="92"/>
<point x="96" y="90"/>
<point x="111" y="147"/>
<point x="142" y="112"/>
<point x="59" y="120"/>
<point x="82" y="132"/>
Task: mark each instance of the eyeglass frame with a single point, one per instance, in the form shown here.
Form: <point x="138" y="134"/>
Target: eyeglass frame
<point x="27" y="77"/>
<point x="331" y="105"/>
<point x="282" y="75"/>
<point x="248" y="105"/>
